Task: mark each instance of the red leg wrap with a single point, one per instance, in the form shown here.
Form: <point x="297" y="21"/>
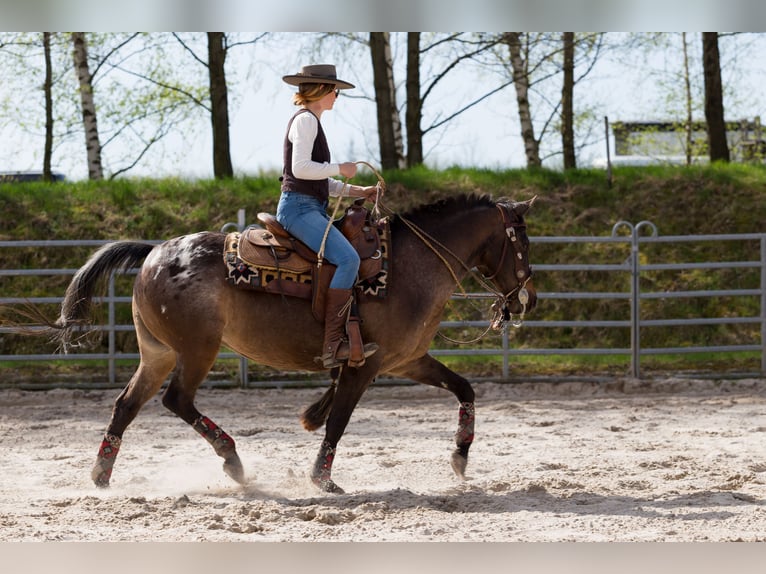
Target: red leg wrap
<point x="222" y="443"/>
<point x="321" y="474"/>
<point x="107" y="453"/>
<point x="466" y="418"/>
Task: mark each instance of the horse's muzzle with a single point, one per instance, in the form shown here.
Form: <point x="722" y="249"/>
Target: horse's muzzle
<point x="521" y="301"/>
<point x="518" y="303"/>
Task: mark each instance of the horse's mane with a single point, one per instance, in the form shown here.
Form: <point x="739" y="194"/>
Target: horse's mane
<point x="422" y="214"/>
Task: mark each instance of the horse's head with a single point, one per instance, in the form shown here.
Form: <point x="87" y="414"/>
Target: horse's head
<point x="505" y="263"/>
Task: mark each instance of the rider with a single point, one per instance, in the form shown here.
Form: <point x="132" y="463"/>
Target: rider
<point x="307" y="182"/>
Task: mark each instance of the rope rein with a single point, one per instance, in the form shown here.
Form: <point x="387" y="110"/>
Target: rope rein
<point x="432" y="243"/>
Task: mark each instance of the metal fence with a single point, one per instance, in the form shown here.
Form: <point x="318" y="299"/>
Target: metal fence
<point x="631" y="237"/>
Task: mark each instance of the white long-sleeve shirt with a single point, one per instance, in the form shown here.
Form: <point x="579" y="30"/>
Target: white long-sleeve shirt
<point x="303" y="132"/>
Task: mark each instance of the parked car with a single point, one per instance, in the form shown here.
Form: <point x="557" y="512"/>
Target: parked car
<point x="20" y="176"/>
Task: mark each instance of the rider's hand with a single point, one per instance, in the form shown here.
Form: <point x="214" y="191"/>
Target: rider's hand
<point x="371" y="192"/>
<point x="348" y="169"/>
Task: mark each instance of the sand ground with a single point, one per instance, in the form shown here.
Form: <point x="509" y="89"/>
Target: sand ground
<point x="665" y="460"/>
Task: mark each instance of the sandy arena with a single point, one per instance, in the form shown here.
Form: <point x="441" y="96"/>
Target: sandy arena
<point x="669" y="460"/>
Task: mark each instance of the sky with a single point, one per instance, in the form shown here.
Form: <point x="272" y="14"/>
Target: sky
<point x="486" y="136"/>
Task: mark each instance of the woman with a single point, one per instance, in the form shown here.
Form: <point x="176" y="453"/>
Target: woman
<point x="307" y="183"/>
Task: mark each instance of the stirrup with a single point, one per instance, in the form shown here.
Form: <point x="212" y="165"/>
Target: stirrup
<point x="341" y="355"/>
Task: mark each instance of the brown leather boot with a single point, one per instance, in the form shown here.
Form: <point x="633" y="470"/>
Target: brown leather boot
<point x="336" y="348"/>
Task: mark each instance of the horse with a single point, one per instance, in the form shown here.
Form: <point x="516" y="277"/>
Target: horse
<point x="184" y="310"/>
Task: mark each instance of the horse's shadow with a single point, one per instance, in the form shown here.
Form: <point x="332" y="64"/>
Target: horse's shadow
<point x="475" y="500"/>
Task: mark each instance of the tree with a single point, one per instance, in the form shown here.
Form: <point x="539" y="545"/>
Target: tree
<point x="714" y="110"/>
<point x="389" y="123"/>
<point x="219" y="45"/>
<point x="414" y="115"/>
<point x="520" y="67"/>
<point x="567" y="98"/>
<point x="431" y="61"/>
<point x="48" y="91"/>
<point x="219" y="105"/>
<point x="689" y="101"/>
<point x="447" y="54"/>
<point x="88" y="106"/>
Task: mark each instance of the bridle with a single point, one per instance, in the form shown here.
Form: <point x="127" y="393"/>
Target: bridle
<point x="523" y="274"/>
<point x="501" y="313"/>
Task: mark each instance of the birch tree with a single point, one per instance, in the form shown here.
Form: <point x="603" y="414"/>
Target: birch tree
<point x="88" y="106"/>
<point x="520" y="67"/>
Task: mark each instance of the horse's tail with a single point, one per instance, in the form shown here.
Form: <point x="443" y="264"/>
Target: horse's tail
<point x="88" y="282"/>
<point x="315" y="415"/>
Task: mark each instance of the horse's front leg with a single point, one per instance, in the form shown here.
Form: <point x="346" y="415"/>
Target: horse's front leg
<point x="179" y="398"/>
<point x="351" y="386"/>
<point x="429" y="371"/>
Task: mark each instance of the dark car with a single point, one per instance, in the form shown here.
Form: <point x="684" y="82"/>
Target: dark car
<point x="21" y="176"/>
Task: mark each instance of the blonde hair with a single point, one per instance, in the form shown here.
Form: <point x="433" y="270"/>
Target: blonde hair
<point x="310" y="92"/>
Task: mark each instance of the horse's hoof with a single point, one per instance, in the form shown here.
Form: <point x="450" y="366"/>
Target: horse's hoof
<point x="101" y="476"/>
<point x="327" y="485"/>
<point x="459" y="463"/>
<point x="233" y="467"/>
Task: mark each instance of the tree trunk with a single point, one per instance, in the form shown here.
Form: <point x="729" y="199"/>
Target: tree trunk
<point x="688" y="93"/>
<point x="714" y="114"/>
<point x="389" y="123"/>
<point x="219" y="106"/>
<point x="48" y="89"/>
<point x="567" y="105"/>
<point x="414" y="103"/>
<point x="92" y="144"/>
<point x="521" y="83"/>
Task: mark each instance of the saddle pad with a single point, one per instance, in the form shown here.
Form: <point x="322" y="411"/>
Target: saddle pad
<point x="241" y="273"/>
<point x="264" y="275"/>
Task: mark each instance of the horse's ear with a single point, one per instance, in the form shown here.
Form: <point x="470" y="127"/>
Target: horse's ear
<point x="521" y="207"/>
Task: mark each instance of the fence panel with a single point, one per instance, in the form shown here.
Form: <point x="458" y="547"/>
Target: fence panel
<point x="631" y="241"/>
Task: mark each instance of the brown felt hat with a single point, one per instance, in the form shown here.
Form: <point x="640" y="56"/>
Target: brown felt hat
<point x="317" y="74"/>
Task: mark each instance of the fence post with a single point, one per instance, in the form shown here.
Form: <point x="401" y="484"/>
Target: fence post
<point x="635" y="290"/>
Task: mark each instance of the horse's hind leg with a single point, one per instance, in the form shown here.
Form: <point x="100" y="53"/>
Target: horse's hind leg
<point x="156" y="362"/>
<point x="191" y="370"/>
<point x="429" y="371"/>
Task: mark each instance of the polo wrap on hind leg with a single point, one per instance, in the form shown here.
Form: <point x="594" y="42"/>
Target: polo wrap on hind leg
<point x="463" y="438"/>
<point x="107" y="454"/>
<point x="465" y="427"/>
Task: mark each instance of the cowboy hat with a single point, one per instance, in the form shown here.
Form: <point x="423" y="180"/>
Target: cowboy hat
<point x="317" y="74"/>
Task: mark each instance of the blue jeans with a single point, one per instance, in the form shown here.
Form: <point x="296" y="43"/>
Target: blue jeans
<point x="306" y="218"/>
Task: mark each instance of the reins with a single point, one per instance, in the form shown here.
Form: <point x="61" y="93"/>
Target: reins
<point x="497" y="320"/>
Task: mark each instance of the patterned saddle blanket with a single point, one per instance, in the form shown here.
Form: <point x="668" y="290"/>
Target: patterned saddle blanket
<point x="273" y="261"/>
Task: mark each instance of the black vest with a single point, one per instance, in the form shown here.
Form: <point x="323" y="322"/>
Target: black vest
<point x="320" y="153"/>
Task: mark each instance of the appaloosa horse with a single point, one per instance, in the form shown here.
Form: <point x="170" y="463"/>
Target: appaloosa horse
<point x="184" y="310"/>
